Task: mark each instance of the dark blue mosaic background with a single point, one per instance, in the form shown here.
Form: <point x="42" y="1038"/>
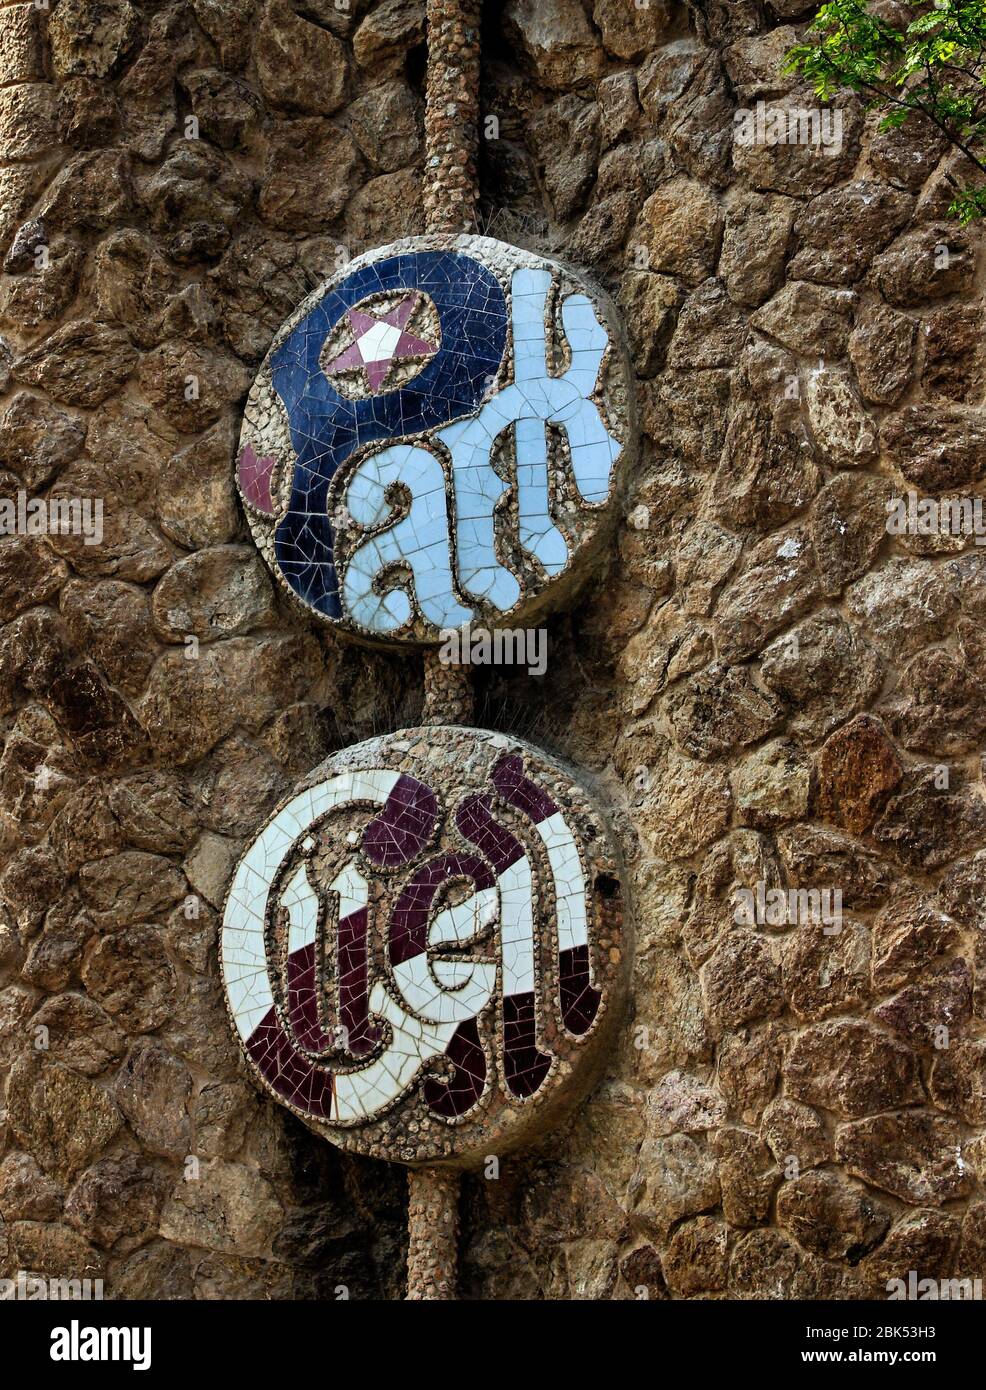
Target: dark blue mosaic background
<point x="326" y="427"/>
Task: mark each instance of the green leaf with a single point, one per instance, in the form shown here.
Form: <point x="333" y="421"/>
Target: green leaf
<point x="935" y="65"/>
<point x="969" y="205"/>
<point x="927" y="22"/>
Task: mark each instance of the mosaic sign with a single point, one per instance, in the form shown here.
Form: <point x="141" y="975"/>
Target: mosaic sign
<point x="436" y="437"/>
<point x="424" y="947"/>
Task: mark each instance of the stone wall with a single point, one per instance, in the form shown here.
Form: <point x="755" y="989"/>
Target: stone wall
<point x="766" y="686"/>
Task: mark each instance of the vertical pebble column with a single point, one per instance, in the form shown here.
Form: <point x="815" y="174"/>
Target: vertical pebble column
<point x="450" y="197"/>
<point x="450" y="193"/>
<point x="452" y="115"/>
<point x="433" y="1233"/>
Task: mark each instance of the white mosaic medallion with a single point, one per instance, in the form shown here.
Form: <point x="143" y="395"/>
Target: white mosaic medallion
<point x="423" y="948"/>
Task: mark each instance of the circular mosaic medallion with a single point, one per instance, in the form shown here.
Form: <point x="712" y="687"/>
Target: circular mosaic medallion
<point x="423" y="949"/>
<point x="436" y="438"/>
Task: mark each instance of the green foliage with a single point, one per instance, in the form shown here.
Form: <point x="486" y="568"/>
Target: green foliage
<point x="970" y="204"/>
<point x="931" y="63"/>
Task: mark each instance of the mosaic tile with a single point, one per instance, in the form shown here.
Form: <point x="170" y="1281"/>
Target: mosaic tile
<point x="424" y="946"/>
<point x="434" y="438"/>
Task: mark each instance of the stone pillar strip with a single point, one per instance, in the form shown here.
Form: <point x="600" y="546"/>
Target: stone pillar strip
<point x="452" y="115"/>
<point x="450" y="195"/>
<point x="433" y="1231"/>
<point x="449" y="695"/>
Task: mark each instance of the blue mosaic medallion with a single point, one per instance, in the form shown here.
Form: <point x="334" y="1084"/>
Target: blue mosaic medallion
<point x="436" y="438"/>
